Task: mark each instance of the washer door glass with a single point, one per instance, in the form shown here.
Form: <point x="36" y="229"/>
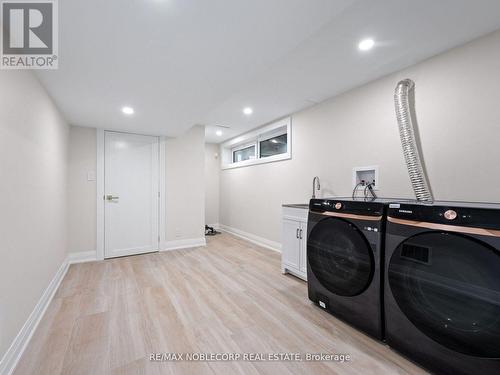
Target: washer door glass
<point x="340" y="257"/>
<point x="448" y="286"/>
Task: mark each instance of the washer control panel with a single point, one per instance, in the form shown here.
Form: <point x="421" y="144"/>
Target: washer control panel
<point x="348" y="206"/>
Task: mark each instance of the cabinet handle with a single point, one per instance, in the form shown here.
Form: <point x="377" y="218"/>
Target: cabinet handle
<point x="297" y="233"/>
<point x="300" y="235"/>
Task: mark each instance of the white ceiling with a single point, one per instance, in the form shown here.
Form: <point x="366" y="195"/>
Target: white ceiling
<point x="184" y="62"/>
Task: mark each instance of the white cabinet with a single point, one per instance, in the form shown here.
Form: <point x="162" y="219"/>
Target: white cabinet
<point x="290" y="255"/>
<point x="294" y="242"/>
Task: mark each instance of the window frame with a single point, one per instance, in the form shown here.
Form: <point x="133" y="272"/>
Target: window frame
<point x="254" y="137"/>
<point x="242" y="147"/>
<point x="270" y="135"/>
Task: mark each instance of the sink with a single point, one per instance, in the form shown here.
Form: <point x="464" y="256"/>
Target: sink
<point x="303" y="206"/>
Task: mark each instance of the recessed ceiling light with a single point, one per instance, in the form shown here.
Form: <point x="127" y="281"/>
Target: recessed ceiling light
<point x="274" y="141"/>
<point x="128" y="110"/>
<point x="366" y="44"/>
<point x="218" y="132"/>
<point x="247" y="111"/>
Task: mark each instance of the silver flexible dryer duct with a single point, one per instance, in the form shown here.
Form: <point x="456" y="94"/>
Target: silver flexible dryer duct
<point x="411" y="153"/>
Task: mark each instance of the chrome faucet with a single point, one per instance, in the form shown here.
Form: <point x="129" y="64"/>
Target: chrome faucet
<point x="316" y="185"/>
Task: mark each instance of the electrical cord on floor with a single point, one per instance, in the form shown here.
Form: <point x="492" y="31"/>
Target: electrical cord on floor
<point x="210" y="231"/>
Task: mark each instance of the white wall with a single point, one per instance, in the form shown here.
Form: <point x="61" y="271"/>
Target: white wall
<point x="81" y="192"/>
<point x="212" y="177"/>
<point x="185" y="185"/>
<point x="33" y="204"/>
<point x="459" y="123"/>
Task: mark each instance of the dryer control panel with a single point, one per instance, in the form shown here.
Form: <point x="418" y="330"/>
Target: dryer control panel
<point x="448" y="213"/>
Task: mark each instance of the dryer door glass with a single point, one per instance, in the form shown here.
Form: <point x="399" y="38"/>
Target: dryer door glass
<point x="448" y="286"/>
<point x="340" y="257"/>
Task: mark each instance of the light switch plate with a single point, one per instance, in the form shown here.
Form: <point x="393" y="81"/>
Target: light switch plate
<point x="91" y="176"/>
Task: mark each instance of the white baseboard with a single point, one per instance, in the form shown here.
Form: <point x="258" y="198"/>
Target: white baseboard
<point x="261" y="241"/>
<point x="183" y="244"/>
<point x="13" y="354"/>
<point x="82" y="257"/>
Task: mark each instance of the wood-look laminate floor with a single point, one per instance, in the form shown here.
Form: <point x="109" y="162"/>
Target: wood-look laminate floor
<point x="108" y="317"/>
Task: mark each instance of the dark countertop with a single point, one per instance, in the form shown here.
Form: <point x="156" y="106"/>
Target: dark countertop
<point x="304" y="206"/>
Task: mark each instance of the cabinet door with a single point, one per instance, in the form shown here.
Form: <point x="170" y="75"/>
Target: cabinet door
<point x="303" y="247"/>
<point x="290" y="252"/>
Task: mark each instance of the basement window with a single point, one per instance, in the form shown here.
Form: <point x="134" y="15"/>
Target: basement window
<point x="243" y="153"/>
<point x="263" y="145"/>
<point x="273" y="146"/>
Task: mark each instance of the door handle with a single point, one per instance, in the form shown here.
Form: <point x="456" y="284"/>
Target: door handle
<point x="297" y="233"/>
<point x="300" y="235"/>
<point x="111" y="198"/>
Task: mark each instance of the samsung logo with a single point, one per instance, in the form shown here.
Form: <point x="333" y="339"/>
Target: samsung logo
<point x="406" y="211"/>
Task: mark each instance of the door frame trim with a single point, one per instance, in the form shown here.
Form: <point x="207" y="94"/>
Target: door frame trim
<point x="100" y="191"/>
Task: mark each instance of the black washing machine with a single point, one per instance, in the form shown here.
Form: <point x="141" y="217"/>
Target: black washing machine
<point x="344" y="253"/>
<point x="442" y="285"/>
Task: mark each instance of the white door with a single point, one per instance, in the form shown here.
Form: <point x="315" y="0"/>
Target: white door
<point x="291" y="243"/>
<point x="131" y="188"/>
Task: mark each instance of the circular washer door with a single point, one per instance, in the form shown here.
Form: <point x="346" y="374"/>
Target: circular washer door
<point x="340" y="257"/>
<point x="448" y="286"/>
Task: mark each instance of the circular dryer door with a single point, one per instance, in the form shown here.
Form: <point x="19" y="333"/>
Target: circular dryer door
<point x="448" y="286"/>
<point x="340" y="257"/>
